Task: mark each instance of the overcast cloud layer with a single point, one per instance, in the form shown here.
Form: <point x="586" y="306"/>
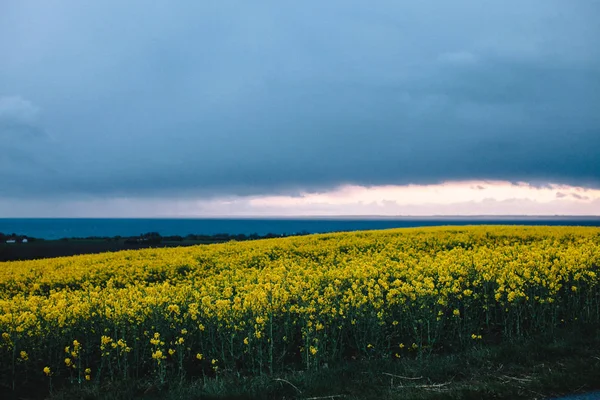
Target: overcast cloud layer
<point x="189" y="99"/>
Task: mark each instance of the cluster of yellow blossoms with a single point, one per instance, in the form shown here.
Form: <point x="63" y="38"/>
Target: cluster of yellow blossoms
<point x="265" y="305"/>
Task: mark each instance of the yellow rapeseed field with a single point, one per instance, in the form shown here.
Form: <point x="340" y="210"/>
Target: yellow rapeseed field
<point x="270" y="305"/>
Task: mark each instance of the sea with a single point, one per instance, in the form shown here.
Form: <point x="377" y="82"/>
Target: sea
<point x="57" y="228"/>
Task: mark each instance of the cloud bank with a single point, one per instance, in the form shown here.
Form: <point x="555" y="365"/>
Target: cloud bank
<point x="471" y="198"/>
<point x="203" y="101"/>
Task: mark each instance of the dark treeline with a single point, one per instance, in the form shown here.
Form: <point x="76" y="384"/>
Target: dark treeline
<point x="13" y="236"/>
<point x="13" y="247"/>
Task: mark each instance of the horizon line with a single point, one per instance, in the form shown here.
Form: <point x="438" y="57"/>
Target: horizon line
<point x="336" y="216"/>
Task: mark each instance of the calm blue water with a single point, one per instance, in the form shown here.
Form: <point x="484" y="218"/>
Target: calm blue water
<point x="50" y="228"/>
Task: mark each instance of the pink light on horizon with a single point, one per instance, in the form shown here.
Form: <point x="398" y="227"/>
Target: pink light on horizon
<point x="447" y="198"/>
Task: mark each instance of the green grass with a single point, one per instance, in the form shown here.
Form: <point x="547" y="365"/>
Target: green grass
<point x="538" y="368"/>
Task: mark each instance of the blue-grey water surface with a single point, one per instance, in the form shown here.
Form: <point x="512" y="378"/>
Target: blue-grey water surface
<point x="56" y="228"/>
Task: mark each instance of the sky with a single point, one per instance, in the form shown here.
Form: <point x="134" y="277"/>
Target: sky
<point x="338" y="107"/>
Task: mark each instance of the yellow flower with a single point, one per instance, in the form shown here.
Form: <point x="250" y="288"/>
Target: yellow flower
<point x="88" y="377"/>
<point x="456" y="312"/>
<point x="199" y="356"/>
<point x="104" y="340"/>
<point x="171" y="352"/>
<point x="173" y="308"/>
<point x="158" y="355"/>
<point x="246" y="341"/>
<point x="23" y="355"/>
<point x="313" y="350"/>
<point x="68" y="362"/>
<point x="88" y="371"/>
<point x="47" y="371"/>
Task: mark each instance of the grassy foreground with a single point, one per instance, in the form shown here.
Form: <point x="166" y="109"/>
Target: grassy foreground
<point x="471" y="312"/>
<point x="533" y="369"/>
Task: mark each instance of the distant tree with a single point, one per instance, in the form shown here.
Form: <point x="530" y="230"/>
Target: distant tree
<point x="151" y="237"/>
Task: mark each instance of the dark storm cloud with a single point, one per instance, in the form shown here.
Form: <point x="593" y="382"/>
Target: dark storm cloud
<point x="22" y="139"/>
<point x="188" y="98"/>
<point x="18" y="120"/>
